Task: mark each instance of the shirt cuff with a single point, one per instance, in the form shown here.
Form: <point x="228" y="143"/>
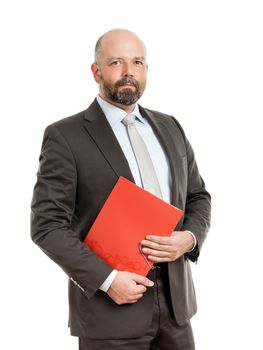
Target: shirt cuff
<point x="108" y="281"/>
<point x="195" y="241"/>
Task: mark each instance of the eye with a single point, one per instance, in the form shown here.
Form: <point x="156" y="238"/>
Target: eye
<point x="139" y="63"/>
<point x="115" y="63"/>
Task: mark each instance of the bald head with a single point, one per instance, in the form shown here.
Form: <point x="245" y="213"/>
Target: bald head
<point x="115" y="40"/>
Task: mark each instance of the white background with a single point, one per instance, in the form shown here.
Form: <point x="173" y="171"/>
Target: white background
<point x="205" y="67"/>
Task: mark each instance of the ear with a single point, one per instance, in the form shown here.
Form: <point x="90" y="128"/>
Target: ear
<point x="96" y="72"/>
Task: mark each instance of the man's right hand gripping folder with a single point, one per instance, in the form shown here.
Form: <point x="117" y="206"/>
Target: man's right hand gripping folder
<point x="130" y="214"/>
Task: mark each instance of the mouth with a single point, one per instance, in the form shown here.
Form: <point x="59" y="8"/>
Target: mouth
<point x="127" y="85"/>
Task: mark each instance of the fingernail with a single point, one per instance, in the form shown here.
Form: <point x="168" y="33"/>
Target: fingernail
<point x="151" y="283"/>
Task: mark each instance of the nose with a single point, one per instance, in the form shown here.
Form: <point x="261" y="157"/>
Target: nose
<point x="128" y="69"/>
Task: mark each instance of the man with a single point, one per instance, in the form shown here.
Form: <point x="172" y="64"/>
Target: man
<point x="82" y="158"/>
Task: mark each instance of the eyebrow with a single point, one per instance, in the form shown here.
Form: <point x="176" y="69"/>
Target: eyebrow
<point x="121" y="58"/>
<point x="141" y="58"/>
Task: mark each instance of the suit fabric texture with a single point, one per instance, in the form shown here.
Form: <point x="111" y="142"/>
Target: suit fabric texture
<point x="80" y="162"/>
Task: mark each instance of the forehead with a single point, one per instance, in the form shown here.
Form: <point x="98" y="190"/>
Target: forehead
<point x="122" y="44"/>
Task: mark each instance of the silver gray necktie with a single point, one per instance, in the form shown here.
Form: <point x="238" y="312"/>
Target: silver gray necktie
<point x="147" y="172"/>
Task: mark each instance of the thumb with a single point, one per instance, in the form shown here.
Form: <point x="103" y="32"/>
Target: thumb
<point x="142" y="280"/>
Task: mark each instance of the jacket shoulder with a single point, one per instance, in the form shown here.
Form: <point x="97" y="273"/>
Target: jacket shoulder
<point x="68" y="122"/>
<point x="67" y="127"/>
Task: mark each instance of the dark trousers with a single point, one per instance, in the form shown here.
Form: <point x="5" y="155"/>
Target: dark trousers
<point x="164" y="333"/>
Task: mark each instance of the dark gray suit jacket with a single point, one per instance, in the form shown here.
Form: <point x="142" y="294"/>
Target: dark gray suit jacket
<point x="80" y="163"/>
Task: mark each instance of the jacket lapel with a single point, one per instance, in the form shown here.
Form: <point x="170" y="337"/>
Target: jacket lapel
<point x="100" y="131"/>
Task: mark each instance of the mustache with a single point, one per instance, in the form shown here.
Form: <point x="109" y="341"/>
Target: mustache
<point x="127" y="81"/>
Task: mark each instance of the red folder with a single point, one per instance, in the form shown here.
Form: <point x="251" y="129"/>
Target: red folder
<point x="128" y="215"/>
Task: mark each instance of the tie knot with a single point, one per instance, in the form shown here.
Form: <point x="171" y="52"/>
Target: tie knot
<point x="129" y="119"/>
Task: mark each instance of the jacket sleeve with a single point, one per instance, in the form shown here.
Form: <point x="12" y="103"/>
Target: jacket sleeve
<point x="53" y="206"/>
<point x="198" y="202"/>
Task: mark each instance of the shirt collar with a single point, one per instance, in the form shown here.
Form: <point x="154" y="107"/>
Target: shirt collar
<point x="115" y="114"/>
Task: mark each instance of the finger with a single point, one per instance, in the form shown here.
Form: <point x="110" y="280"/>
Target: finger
<point x="142" y="280"/>
<point x="132" y="301"/>
<point x="157" y="259"/>
<point x="140" y="289"/>
<point x="157" y="246"/>
<point x="160" y="253"/>
<point x="123" y="302"/>
<point x="135" y="298"/>
<point x="159" y="239"/>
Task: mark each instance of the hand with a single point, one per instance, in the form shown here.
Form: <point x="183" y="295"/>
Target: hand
<point x="169" y="248"/>
<point x="127" y="287"/>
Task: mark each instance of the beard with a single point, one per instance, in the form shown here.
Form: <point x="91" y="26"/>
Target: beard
<point x="127" y="96"/>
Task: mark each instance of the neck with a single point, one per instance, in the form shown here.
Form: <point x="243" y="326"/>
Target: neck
<point x="128" y="109"/>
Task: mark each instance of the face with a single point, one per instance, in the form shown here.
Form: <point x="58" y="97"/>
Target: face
<point x="122" y="70"/>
